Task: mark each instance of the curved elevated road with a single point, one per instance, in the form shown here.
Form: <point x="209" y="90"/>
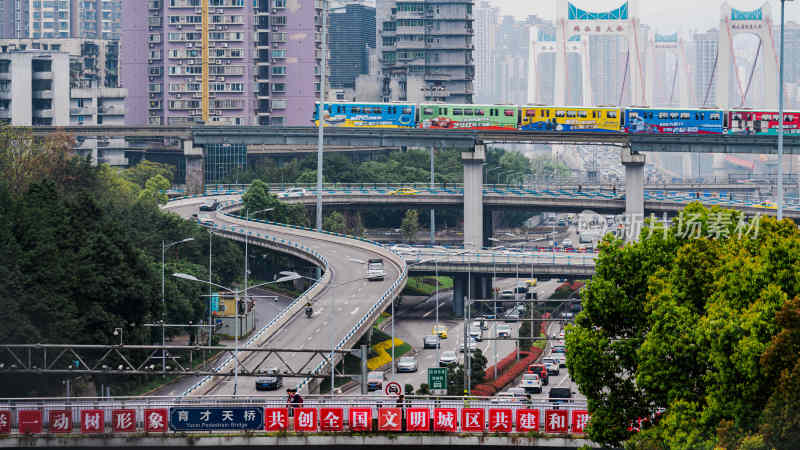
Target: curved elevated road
<point x="341" y="300"/>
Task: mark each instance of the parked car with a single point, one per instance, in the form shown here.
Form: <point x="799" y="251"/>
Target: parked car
<point x="531" y="383"/>
<point x="271" y="382"/>
<point x="375" y="381"/>
<point x="503" y="330"/>
<point x="541" y="370"/>
<point x="407" y="364"/>
<point x="448" y="358"/>
<point x="431" y="341"/>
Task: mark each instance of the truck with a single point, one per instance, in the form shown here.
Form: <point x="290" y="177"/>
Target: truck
<point x="375" y="271"/>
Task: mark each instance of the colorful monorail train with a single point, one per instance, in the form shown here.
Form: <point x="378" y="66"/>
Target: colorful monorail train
<point x="632" y="120"/>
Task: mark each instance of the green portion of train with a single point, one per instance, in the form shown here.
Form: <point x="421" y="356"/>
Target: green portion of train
<point x="468" y="117"/>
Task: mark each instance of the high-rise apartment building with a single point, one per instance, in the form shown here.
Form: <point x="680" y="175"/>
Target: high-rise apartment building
<point x="426" y="50"/>
<point x="352" y="34"/>
<point x="486" y="18"/>
<point x="90" y="19"/>
<point x="222" y="62"/>
<point x="703" y="66"/>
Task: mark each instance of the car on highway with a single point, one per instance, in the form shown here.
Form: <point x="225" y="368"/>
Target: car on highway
<point x="375" y="381"/>
<point x="553" y="365"/>
<point x="561" y="334"/>
<point x="531" y="383"/>
<point x="511" y="315"/>
<point x="484" y="323"/>
<point x="440" y="330"/>
<point x="558" y="395"/>
<point x="431" y="341"/>
<point x="212" y="206"/>
<point x="448" y="358"/>
<point x="473" y="345"/>
<point x="404" y="191"/>
<point x="273" y="381"/>
<point x="566" y="243"/>
<point x="507" y="293"/>
<point x="559" y="348"/>
<point x="292" y="193"/>
<point x="407" y="364"/>
<point x="475" y="332"/>
<point x="402" y="249"/>
<point x="503" y="330"/>
<point x="541" y="370"/>
<point x="562" y="360"/>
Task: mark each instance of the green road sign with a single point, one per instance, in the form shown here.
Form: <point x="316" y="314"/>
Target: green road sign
<point x="437" y="378"/>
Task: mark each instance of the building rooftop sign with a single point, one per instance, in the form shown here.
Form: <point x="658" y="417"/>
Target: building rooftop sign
<point x="747" y="15"/>
<point x="620" y="13"/>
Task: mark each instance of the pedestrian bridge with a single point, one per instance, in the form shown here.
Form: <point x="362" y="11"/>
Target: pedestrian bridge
<point x="371" y="421"/>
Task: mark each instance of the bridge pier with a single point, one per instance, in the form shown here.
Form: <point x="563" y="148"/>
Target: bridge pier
<point x="634" y="182"/>
<point x="473" y="196"/>
<point x="459" y="291"/>
<point x="195" y="167"/>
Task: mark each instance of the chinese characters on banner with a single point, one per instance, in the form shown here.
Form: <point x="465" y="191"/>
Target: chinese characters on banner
<point x="390" y="419"/>
<point x="500" y="420"/>
<point x="60" y="421"/>
<point x="445" y="420"/>
<point x="308" y="420"/>
<point x="92" y="421"/>
<point x="555" y="421"/>
<point x="418" y="419"/>
<point x="276" y="419"/>
<point x="580" y="418"/>
<point x="5" y="422"/>
<point x="361" y="419"/>
<point x="155" y="420"/>
<point x="123" y="420"/>
<point x="305" y="419"/>
<point x="331" y="419"/>
<point x="472" y="419"/>
<point x="527" y="420"/>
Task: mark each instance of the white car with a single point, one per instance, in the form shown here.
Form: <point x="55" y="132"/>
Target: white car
<point x="566" y="243"/>
<point x="504" y="330"/>
<point x="553" y="365"/>
<point x="531" y="383"/>
<point x="448" y="358"/>
<point x="402" y="249"/>
<point x="475" y="332"/>
<point x="292" y="193"/>
<point x="507" y="293"/>
<point x="561" y="335"/>
<point x="472" y="346"/>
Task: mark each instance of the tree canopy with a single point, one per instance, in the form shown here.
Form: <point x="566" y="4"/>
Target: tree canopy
<point x="694" y="328"/>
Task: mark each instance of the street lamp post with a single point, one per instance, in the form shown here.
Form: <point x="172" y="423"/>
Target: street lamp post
<point x="235" y="293"/>
<point x="780" y="116"/>
<point x="164" y="247"/>
<point x="321" y="113"/>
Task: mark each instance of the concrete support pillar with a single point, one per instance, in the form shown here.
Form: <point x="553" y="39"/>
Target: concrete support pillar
<point x="488" y="228"/>
<point x="634" y="182"/>
<point x="473" y="196"/>
<point x="195" y="167"/>
<point x="459" y="291"/>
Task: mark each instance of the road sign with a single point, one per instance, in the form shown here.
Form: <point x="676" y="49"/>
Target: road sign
<point x="204" y="419"/>
<point x="393" y="388"/>
<point x="437" y="380"/>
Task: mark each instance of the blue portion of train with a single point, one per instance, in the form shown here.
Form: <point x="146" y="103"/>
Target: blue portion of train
<point x="674" y="121"/>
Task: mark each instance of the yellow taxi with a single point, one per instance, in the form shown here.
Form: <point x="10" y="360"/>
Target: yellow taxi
<point x="766" y="205"/>
<point x="531" y="282"/>
<point x="440" y="330"/>
<point x="404" y="191"/>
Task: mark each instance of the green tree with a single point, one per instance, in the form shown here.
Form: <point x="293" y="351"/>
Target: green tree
<point x="257" y="198"/>
<point x="335" y="222"/>
<point x="680" y="325"/>
<point x="155" y="190"/>
<point x="410" y="225"/>
<point x="547" y="167"/>
<point x="141" y="173"/>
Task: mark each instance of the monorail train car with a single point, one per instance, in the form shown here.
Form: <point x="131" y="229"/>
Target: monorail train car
<point x="674" y="121"/>
<point x="468" y="117"/>
<point x="740" y="121"/>
<point x="551" y="118"/>
<point x="368" y="115"/>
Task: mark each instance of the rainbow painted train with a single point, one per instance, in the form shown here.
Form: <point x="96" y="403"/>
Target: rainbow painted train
<point x="555" y="118"/>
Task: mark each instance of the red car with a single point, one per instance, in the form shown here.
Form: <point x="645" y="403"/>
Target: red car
<point x="541" y="370"/>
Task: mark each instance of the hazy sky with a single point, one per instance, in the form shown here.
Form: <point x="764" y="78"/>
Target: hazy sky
<point x="666" y="16"/>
